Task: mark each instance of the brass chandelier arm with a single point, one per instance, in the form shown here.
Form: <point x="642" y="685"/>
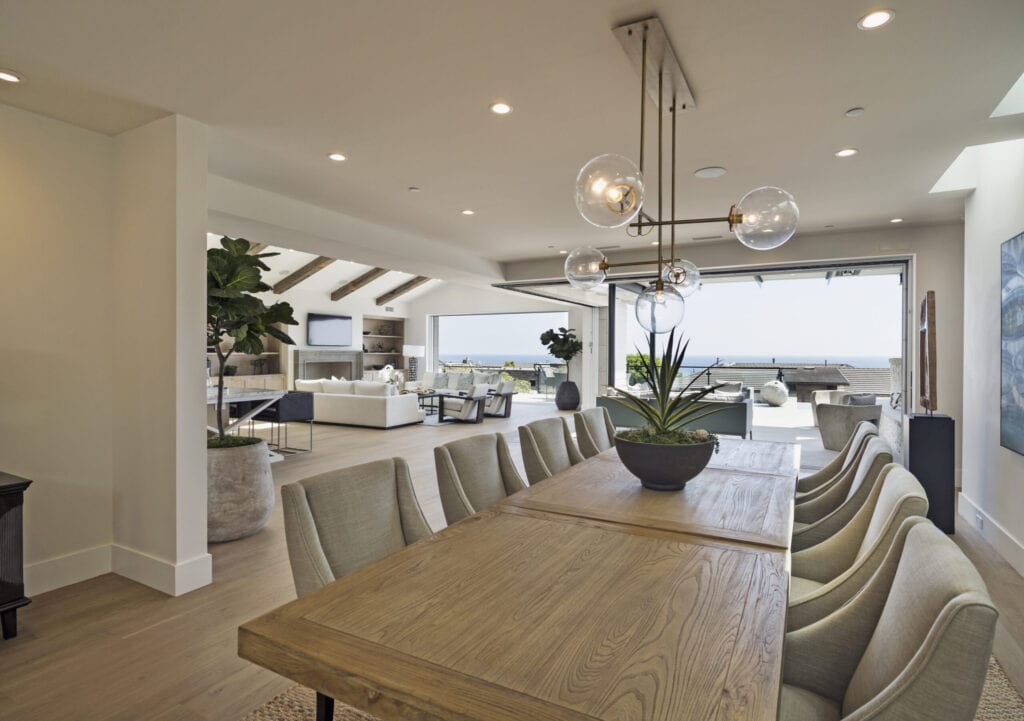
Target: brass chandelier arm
<point x="605" y="265"/>
<point x="734" y="218"/>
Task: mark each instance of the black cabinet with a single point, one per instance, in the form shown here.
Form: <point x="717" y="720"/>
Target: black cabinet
<point x="12" y="570"/>
<point x="930" y="456"/>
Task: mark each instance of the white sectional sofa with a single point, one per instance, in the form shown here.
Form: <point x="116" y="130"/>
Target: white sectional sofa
<point x="453" y="383"/>
<point x="361" y="403"/>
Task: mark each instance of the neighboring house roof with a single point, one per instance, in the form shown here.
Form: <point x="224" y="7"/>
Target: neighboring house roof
<point x="869" y="380"/>
<point x="824" y="375"/>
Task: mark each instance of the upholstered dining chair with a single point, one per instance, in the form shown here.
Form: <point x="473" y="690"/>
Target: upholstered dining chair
<point x="913" y="645"/>
<point x="827" y="575"/>
<point x="547" y="448"/>
<point x="824" y="516"/>
<point x="474" y="473"/>
<point x="594" y="431"/>
<point x="814" y="484"/>
<point x="341" y="520"/>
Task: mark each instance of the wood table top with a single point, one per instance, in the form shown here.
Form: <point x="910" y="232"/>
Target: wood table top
<point x="519" y="612"/>
<point x="745" y="494"/>
<point x="513" y="614"/>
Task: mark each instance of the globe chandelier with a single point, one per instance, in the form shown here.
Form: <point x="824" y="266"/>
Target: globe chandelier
<point x="611" y="192"/>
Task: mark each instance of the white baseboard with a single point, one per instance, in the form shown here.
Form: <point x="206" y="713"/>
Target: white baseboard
<point x="998" y="537"/>
<point x="52" y="573"/>
<point x="172" y="579"/>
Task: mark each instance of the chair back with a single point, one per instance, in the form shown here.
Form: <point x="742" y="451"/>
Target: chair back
<point x="547" y="448"/>
<point x="861" y="434"/>
<point x="877" y="454"/>
<point x="899" y="496"/>
<point x="474" y="473"/>
<point x="594" y="431"/>
<point x="928" y="654"/>
<point x="496" y="403"/>
<point x="341" y="520"/>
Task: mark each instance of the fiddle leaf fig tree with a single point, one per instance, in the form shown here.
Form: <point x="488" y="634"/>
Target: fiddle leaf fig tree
<point x="562" y="344"/>
<point x="232" y="311"/>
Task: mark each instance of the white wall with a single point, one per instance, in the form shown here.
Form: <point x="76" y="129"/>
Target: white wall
<point x="159" y="245"/>
<point x="937" y="252"/>
<point x="55" y="418"/>
<point x="993" y="476"/>
<point x="103" y="249"/>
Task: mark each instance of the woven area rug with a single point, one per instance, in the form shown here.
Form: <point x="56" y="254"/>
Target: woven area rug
<point x="999" y="702"/>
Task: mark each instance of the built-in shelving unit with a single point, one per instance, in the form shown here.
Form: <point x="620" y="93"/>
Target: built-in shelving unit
<point x="382" y="340"/>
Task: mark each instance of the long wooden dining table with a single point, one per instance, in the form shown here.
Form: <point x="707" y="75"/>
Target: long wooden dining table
<point x="585" y="596"/>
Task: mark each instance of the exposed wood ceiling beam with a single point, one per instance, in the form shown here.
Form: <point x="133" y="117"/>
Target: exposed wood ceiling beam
<point x="256" y="248"/>
<point x="353" y="285"/>
<point x="402" y="289"/>
<point x="309" y="269"/>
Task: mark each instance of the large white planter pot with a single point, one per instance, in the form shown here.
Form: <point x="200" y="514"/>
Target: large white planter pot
<point x="240" y="491"/>
<point x="775" y="393"/>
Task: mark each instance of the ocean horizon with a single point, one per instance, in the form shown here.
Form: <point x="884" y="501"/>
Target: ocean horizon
<point x="498" y="359"/>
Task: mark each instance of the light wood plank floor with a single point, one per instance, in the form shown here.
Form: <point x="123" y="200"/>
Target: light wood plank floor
<point x="111" y="649"/>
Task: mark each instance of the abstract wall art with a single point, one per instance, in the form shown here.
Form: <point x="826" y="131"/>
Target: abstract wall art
<point x="1011" y="390"/>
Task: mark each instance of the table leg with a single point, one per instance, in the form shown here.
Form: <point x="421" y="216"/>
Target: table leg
<point x="324" y="707"/>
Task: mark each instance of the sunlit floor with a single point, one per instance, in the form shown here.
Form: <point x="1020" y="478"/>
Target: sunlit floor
<point x="792" y="423"/>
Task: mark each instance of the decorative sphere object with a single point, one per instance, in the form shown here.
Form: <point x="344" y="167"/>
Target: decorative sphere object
<point x="583" y="268"/>
<point x="659" y="310"/>
<point x="684" y="276"/>
<point x="774" y="393"/>
<point x="609" y="191"/>
<point x="769" y="218"/>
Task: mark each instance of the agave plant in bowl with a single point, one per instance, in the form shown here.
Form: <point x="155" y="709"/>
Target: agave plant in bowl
<point x="667" y="451"/>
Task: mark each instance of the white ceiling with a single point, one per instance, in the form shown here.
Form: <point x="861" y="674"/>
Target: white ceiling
<point x="403" y="89"/>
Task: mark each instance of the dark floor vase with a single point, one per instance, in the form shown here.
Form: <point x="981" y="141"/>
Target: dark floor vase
<point x="662" y="467"/>
<point x="567" y="397"/>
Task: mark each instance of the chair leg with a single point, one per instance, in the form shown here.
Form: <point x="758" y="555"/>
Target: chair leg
<point x="324" y="707"/>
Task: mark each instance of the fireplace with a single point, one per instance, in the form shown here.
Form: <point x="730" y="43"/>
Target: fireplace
<point x="313" y="364"/>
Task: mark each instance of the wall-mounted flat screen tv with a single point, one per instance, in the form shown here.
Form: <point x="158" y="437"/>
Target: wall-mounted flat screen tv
<point x="328" y="329"/>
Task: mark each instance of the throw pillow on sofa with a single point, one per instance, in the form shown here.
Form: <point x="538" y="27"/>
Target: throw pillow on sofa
<point x="316" y="386"/>
<point x="460" y="381"/>
<point x="490" y="379"/>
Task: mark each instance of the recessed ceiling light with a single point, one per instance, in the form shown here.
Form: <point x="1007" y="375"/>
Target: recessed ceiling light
<point x="654" y="242"/>
<point x="713" y="171"/>
<point x="469" y="212"/>
<point x="846" y="152"/>
<point x="9" y="76"/>
<point x="563" y="252"/>
<point x="876" y="19"/>
<point x="337" y="157"/>
<point x="896" y="220"/>
<point x="855" y="112"/>
<point x="501" y="108"/>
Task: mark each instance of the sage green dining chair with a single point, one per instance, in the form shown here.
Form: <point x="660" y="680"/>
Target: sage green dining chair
<point x="548" y="448"/>
<point x="912" y="645"/>
<point x="594" y="431"/>
<point x="824" y="516"/>
<point x="814" y="484"/>
<point x="339" y="521"/>
<point x="827" y="575"/>
<point x="474" y="473"/>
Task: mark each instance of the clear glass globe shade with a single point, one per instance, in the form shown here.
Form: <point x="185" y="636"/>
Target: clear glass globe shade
<point x="769" y="218"/>
<point x="583" y="268"/>
<point x="659" y="311"/>
<point x="684" y="276"/>
<point x="609" y="191"/>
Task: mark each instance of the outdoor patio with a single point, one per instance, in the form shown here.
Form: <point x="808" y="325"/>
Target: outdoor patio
<point x="792" y="423"/>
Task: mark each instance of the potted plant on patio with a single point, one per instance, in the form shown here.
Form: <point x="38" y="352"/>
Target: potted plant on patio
<point x="564" y="345"/>
<point x="663" y="454"/>
<point x="240" y="488"/>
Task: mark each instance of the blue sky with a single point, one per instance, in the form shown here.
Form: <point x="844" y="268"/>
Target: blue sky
<point x="848" y="317"/>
